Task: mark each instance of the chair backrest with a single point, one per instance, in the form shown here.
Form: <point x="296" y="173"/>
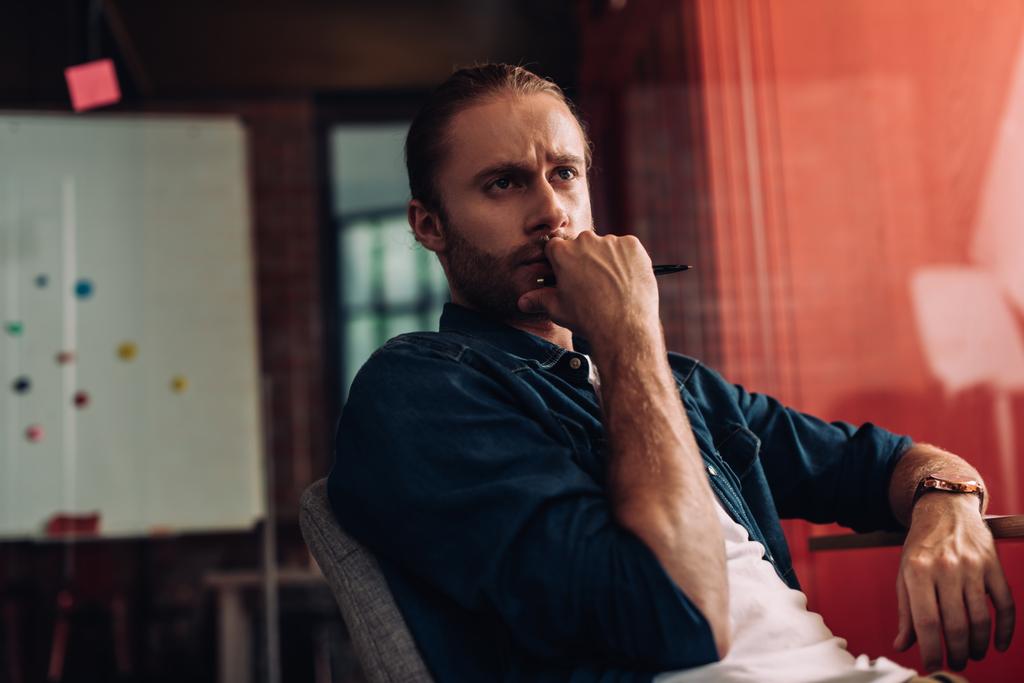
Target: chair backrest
<point x="382" y="640"/>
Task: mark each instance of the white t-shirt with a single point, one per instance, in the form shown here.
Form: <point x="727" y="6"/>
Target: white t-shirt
<point x="775" y="639"/>
<point x="774" y="636"/>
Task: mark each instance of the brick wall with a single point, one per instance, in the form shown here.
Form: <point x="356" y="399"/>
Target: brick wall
<point x="287" y="235"/>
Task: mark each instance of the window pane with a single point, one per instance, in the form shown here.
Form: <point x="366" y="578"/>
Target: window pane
<point x="400" y="272"/>
<point x="356" y="246"/>
<point x="360" y="342"/>
<point x="439" y="282"/>
<point x="367" y="167"/>
<point x="400" y="324"/>
<point x="432" y="317"/>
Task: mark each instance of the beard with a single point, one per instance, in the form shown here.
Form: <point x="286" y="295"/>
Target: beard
<point x="488" y="282"/>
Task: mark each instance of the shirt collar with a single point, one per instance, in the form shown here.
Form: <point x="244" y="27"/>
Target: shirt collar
<point x="456" y="318"/>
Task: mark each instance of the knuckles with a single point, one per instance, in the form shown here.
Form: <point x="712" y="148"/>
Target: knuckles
<point x="922" y="564"/>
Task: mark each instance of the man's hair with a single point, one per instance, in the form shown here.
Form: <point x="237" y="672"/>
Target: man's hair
<point x="425" y="146"/>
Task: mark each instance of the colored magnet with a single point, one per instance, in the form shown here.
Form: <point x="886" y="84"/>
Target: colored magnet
<point x="179" y="384"/>
<point x="68" y="524"/>
<point x="35" y="433"/>
<point x="81" y="399"/>
<point x="83" y="289"/>
<point x="22" y="385"/>
<point x="93" y="84"/>
<point x="65" y="357"/>
<point x="127" y="351"/>
<point x="14" y="328"/>
<point x="42" y="280"/>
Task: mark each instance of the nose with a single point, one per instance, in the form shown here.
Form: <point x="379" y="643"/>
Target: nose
<point x="549" y="214"/>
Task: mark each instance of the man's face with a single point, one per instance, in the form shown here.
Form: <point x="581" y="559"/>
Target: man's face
<point x="514" y="174"/>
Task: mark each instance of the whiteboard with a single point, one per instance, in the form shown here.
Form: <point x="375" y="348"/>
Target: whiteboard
<point x="151" y="213"/>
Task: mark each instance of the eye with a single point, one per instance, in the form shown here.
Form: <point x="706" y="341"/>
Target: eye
<point x="502" y="183"/>
<point x="566" y="173"/>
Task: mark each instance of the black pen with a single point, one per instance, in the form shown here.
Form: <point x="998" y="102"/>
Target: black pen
<point x="659" y="270"/>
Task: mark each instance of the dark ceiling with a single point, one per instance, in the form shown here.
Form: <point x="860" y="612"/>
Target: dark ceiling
<point x="232" y="48"/>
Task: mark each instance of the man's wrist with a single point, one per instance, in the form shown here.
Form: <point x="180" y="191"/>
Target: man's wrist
<point x="942" y="502"/>
<point x="939" y="483"/>
<point x="626" y="333"/>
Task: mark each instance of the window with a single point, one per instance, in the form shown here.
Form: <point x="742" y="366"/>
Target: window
<point x="387" y="283"/>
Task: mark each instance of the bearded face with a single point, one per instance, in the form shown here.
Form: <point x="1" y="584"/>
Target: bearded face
<point x="493" y="283"/>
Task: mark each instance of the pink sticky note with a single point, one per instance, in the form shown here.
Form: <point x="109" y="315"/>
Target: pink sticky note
<point x="93" y="84"/>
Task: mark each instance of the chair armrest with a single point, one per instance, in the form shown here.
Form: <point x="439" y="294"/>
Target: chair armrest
<point x="1003" y="527"/>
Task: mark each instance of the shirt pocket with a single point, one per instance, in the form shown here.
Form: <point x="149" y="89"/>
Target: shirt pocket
<point x="738" y="447"/>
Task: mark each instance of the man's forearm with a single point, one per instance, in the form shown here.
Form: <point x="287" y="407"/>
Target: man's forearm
<point x="917" y="463"/>
<point x="656" y="477"/>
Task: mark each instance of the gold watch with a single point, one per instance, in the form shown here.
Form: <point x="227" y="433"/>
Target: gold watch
<point x="931" y="483"/>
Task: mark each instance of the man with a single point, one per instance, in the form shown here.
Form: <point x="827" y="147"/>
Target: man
<point x="553" y="496"/>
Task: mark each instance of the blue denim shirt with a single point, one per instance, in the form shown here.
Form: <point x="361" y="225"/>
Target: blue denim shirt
<point x="472" y="461"/>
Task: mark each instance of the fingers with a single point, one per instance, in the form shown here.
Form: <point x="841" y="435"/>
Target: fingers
<point x="905" y="633"/>
<point x="954" y="622"/>
<point x="924" y="610"/>
<point x="978" y="614"/>
<point x="1002" y="600"/>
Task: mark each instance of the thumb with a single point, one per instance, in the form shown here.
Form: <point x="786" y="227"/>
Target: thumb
<point x="537" y="300"/>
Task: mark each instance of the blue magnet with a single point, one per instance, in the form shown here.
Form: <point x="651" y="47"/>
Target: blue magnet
<point x="83" y="288"/>
<point x="42" y="280"/>
<point x="22" y="385"/>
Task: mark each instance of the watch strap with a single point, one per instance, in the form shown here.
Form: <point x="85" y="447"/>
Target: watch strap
<point x="932" y="484"/>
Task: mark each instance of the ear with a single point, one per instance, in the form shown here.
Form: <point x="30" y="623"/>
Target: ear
<point x="426" y="226"/>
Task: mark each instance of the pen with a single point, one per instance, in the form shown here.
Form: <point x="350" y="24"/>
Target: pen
<point x="663" y="269"/>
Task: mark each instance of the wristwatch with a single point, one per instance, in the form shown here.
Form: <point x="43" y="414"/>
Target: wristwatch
<point x="932" y="483"/>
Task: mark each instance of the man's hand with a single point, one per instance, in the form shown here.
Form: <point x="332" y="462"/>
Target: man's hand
<point x="605" y="284"/>
<point x="948" y="572"/>
<point x="657" y="486"/>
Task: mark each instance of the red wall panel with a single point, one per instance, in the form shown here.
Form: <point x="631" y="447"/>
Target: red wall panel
<point x="812" y="158"/>
<point x="849" y="146"/>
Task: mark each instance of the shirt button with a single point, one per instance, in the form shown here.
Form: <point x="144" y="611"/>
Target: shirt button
<point x="575" y="363"/>
<point x="712" y="471"/>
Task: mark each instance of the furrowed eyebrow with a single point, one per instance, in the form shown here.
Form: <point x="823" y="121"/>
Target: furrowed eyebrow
<point x="507" y="168"/>
<point x="513" y="168"/>
<point x="566" y="160"/>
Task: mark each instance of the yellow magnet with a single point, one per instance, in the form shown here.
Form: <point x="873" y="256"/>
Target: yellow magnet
<point x="127" y="351"/>
<point x="179" y="384"/>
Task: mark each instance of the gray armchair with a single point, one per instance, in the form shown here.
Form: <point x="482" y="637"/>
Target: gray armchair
<point x="382" y="640"/>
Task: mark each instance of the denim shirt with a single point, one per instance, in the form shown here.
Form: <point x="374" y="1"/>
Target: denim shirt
<point x="472" y="462"/>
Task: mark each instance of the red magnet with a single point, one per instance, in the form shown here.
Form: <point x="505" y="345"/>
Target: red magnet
<point x="81" y="399"/>
<point x="35" y="433"/>
<point x="73" y="524"/>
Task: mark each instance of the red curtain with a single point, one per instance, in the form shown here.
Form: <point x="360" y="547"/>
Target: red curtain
<point x="842" y="175"/>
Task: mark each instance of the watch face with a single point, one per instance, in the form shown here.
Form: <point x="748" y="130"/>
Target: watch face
<point x="969" y="486"/>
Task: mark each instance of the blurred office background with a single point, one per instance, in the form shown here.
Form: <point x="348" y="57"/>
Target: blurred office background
<point x="844" y="174"/>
